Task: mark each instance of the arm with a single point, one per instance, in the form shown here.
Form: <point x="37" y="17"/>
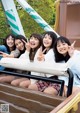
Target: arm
<point x="3" y="48"/>
<point x="13" y="54"/>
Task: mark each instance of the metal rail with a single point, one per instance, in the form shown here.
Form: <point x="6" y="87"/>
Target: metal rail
<point x="38" y="78"/>
<point x="70" y="82"/>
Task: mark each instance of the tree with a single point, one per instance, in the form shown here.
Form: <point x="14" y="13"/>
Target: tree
<point x="45" y="8"/>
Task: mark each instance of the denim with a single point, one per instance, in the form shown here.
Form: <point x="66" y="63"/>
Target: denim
<point x="3" y="49"/>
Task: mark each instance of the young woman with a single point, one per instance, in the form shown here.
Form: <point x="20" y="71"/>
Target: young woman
<point x="20" y="49"/>
<point x="8" y="44"/>
<point x="7" y="47"/>
<point x="46" y="54"/>
<point x="65" y="52"/>
<point x="34" y="43"/>
<point x="20" y="45"/>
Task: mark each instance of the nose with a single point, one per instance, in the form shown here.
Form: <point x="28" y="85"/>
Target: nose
<point x="19" y="45"/>
<point x="46" y="38"/>
<point x="61" y="46"/>
<point x="33" y="39"/>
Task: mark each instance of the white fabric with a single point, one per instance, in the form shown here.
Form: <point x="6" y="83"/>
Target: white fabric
<point x="74" y="65"/>
<point x="25" y="55"/>
<point x="49" y="57"/>
<point x="16" y="53"/>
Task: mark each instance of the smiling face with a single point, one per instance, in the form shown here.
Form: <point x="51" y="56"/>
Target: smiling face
<point x="10" y="42"/>
<point x="47" y="41"/>
<point x="34" y="42"/>
<point x="62" y="47"/>
<point x="19" y="44"/>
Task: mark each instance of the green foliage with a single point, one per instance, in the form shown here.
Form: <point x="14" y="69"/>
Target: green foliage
<point x="45" y="8"/>
<point x="4" y="29"/>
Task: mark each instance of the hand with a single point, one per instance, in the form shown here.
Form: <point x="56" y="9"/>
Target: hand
<point x="41" y="56"/>
<point x="27" y="45"/>
<point x="1" y="53"/>
<point x="4" y="54"/>
<point x="71" y="48"/>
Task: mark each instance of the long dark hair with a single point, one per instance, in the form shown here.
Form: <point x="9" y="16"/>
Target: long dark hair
<point x="5" y="42"/>
<point x="21" y="37"/>
<point x="33" y="51"/>
<point x="52" y="35"/>
<point x="59" y="57"/>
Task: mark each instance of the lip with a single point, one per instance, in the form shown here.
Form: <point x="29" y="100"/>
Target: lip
<point x="46" y="43"/>
<point x="62" y="51"/>
<point x="32" y="43"/>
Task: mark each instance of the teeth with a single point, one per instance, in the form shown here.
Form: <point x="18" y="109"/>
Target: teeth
<point x="32" y="43"/>
<point x="45" y="42"/>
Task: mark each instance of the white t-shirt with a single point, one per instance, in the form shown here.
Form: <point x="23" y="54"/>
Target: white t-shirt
<point x="49" y="57"/>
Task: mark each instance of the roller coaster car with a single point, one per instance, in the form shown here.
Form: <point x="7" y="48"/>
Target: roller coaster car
<point x="68" y="19"/>
<point x="21" y="100"/>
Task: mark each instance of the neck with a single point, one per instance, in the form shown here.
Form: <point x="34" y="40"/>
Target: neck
<point x="47" y="49"/>
<point x="65" y="54"/>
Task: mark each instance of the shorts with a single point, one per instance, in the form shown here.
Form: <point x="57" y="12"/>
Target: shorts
<point x="43" y="85"/>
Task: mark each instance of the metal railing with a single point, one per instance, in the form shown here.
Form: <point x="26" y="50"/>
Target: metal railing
<point x="70" y="82"/>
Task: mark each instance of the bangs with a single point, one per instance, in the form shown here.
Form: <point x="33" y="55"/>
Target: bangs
<point x="63" y="40"/>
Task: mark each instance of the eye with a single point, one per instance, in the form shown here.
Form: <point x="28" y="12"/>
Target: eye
<point x="50" y="38"/>
<point x="64" y="43"/>
<point x="44" y="37"/>
<point x="16" y="44"/>
<point x="31" y="38"/>
<point x="36" y="39"/>
<point x="58" y="45"/>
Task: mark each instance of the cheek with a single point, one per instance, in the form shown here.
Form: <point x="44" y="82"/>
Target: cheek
<point x="13" y="43"/>
<point x="58" y="49"/>
<point x="7" y="42"/>
<point x="17" y="46"/>
<point x="22" y="46"/>
<point x="36" y="43"/>
<point x="50" y="42"/>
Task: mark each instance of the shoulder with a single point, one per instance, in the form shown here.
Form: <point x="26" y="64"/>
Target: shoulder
<point x="50" y="56"/>
<point x="74" y="59"/>
<point x="16" y="53"/>
<point x="37" y="52"/>
<point x="76" y="53"/>
<point x="50" y="52"/>
<point x="25" y="55"/>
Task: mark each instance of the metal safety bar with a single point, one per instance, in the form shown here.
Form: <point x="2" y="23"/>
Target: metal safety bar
<point x="58" y="81"/>
<point x="70" y="82"/>
<point x="38" y="78"/>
